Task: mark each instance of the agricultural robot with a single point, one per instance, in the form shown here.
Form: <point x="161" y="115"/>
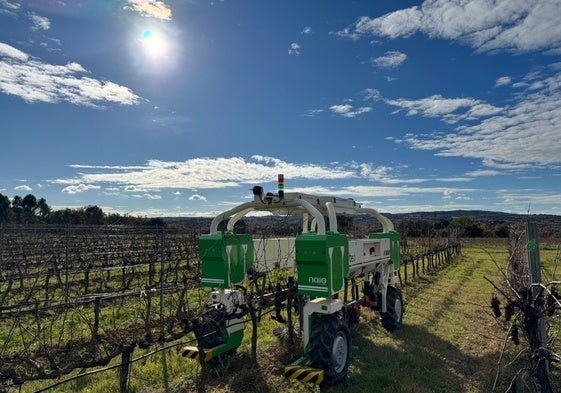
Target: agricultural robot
<point x="327" y="266"/>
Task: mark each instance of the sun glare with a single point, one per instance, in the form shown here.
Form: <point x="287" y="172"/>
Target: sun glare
<point x="155" y="45"/>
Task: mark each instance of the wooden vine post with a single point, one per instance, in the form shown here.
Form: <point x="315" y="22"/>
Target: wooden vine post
<point x="124" y="368"/>
<point x="535" y="324"/>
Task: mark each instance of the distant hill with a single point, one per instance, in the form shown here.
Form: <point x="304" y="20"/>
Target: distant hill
<point x="481" y="215"/>
<point x="548" y="223"/>
<point x="429" y="216"/>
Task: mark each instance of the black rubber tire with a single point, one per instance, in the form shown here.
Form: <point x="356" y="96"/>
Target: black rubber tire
<point x="330" y="348"/>
<point x="209" y="329"/>
<point x="392" y="318"/>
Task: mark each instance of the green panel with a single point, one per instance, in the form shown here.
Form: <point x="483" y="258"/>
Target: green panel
<point x="394" y="245"/>
<point x="322" y="262"/>
<point x="309" y="325"/>
<point x="225" y="258"/>
<point x="233" y="339"/>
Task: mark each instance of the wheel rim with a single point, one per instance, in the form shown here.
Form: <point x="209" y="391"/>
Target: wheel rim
<point x="339" y="352"/>
<point x="397" y="310"/>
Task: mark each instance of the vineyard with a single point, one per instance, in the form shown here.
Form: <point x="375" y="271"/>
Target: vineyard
<point x="77" y="297"/>
<point x="81" y="299"/>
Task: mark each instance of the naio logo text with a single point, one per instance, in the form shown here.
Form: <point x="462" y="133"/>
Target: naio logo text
<point x="317" y="280"/>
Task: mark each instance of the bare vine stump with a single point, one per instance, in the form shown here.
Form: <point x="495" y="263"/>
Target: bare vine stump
<point x="124" y="369"/>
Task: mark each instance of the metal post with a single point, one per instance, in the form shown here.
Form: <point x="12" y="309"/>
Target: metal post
<point x="533" y="257"/>
<point x="1" y="243"/>
<point x="534" y="271"/>
<point x="66" y="255"/>
<point x="162" y="275"/>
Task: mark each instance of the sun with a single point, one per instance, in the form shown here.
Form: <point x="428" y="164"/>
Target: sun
<point x="155" y="45"/>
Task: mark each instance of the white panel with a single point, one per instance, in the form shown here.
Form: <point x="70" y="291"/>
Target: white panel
<point x="274" y="253"/>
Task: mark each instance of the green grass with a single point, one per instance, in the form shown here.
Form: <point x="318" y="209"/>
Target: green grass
<point x="449" y="342"/>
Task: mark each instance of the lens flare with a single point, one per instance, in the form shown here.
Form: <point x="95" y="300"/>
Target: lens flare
<point x="155" y="45"/>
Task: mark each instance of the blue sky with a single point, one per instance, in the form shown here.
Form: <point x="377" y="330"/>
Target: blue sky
<point x="178" y="108"/>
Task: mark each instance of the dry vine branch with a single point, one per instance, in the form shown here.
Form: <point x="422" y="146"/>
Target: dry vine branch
<point x="89" y="332"/>
<point x="526" y="309"/>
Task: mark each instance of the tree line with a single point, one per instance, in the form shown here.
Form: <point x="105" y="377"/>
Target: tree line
<point x="30" y="210"/>
<point x="463" y="226"/>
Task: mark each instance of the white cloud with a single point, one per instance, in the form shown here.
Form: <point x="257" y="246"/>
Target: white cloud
<point x="217" y="173"/>
<point x="384" y="174"/>
<point x="349" y="33"/>
<point x="450" y="110"/>
<point x="201" y="173"/>
<point x="197" y="197"/>
<point x="9" y="8"/>
<point x="391" y="175"/>
<point x="527" y="198"/>
<point x="347" y="110"/>
<point x="133" y="188"/>
<point x="379" y="173"/>
<point x="23" y="187"/>
<point x="523" y="135"/>
<point x="371" y="94"/>
<point x="308" y="30"/>
<point x="381" y="191"/>
<point x="341" y="109"/>
<point x="426" y="207"/>
<point x="8" y="51"/>
<point x="503" y="80"/>
<point x="432" y="106"/>
<point x="294" y="49"/>
<point x="8" y="5"/>
<point x="512" y="25"/>
<point x="35" y="81"/>
<point x="313" y="112"/>
<point x="40" y="22"/>
<point x="75" y="189"/>
<point x="390" y="59"/>
<point x="153" y="8"/>
<point x="483" y="172"/>
<point x="448" y="194"/>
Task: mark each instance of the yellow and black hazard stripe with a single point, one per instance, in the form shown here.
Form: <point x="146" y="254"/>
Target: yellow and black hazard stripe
<point x="190" y="352"/>
<point x="193" y="353"/>
<point x="304" y="374"/>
